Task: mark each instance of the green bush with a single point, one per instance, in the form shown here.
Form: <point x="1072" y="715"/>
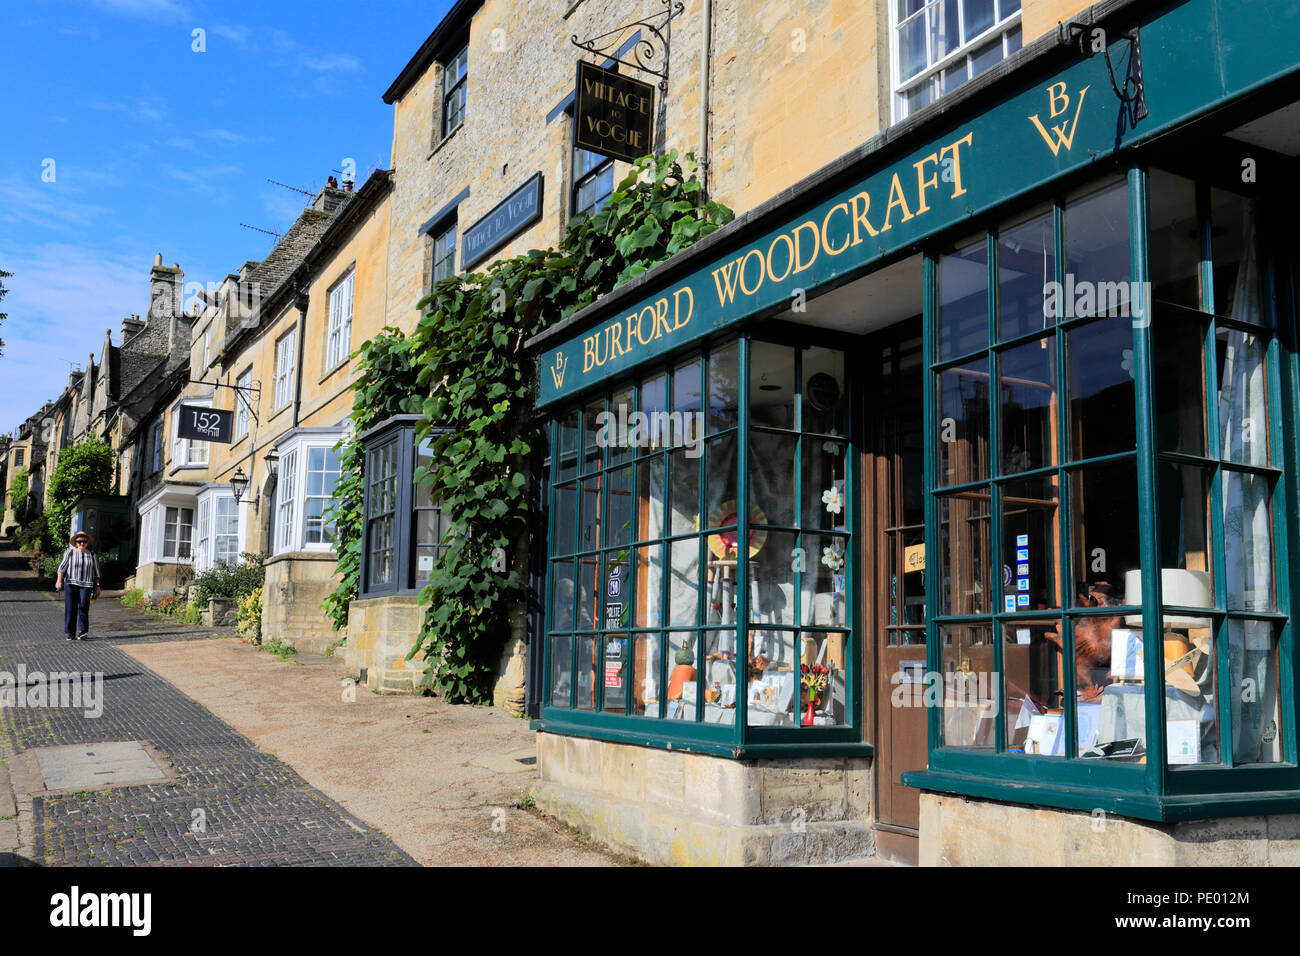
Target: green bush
<point x="35" y="536"/>
<point x="132" y="598"/>
<point x="83" y="469"/>
<point x="192" y="614"/>
<point x="50" y="565"/>
<point x="165" y="606"/>
<point x="230" y="580"/>
<point x="248" y="623"/>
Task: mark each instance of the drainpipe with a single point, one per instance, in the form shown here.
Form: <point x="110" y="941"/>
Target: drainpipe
<point x="300" y="300"/>
<point x="705" y="42"/>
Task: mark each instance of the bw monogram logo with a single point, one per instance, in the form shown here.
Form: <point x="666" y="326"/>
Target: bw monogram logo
<point x="557" y="372"/>
<point x="1059" y="102"/>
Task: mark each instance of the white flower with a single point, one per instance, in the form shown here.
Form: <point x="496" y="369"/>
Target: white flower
<point x="833" y="499"/>
<point x="832" y="558"/>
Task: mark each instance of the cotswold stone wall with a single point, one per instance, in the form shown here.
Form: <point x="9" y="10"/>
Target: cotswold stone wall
<point x="296" y="584"/>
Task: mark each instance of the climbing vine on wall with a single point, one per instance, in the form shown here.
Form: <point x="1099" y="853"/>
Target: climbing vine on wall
<point x="467" y="352"/>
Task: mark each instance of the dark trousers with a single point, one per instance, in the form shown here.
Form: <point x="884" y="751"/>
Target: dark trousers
<point x="76" y="608"/>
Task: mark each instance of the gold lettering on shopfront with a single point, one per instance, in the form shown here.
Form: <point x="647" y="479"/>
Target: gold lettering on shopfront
<point x="628" y="333"/>
<point x="843" y="226"/>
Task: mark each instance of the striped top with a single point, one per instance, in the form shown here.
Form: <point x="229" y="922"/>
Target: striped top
<point x="80" y="568"/>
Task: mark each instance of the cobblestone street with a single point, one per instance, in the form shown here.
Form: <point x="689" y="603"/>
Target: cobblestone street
<point x="226" y="802"/>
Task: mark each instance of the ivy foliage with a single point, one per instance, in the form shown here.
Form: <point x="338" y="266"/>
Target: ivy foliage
<point x="85" y="468"/>
<point x="385" y="386"/>
<point x="18" y="492"/>
<point x="467" y="350"/>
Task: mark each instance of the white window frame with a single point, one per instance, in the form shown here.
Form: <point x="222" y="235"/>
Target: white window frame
<point x="446" y="239"/>
<point x="338" y="343"/>
<point x="179" y="524"/>
<point x="226" y="502"/>
<point x="291" y="490"/>
<point x="243" y="388"/>
<point x="933" y="72"/>
<point x="203" y="534"/>
<point x="455" y="82"/>
<point x="187" y="453"/>
<point x="285" y="366"/>
<point x="156" y="448"/>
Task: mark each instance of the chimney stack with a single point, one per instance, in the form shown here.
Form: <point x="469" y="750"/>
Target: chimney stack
<point x="130" y="326"/>
<point x="164" y="291"/>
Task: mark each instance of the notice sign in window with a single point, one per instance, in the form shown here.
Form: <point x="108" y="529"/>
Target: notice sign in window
<point x="612" y="113"/>
<point x="198" y="423"/>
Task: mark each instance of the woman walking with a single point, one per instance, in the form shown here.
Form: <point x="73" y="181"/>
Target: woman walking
<point x="81" y="568"/>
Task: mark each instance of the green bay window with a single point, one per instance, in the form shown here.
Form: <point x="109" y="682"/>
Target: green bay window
<point x="661" y="627"/>
<point x="1109" y="603"/>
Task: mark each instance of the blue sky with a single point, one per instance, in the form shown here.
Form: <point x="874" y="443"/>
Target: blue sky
<point x="159" y="148"/>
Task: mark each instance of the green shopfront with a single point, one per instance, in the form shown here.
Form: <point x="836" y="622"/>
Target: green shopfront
<point x="944" y="508"/>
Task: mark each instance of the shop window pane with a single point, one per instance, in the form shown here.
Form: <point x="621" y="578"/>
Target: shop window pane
<point x="566" y="519"/>
<point x="1026" y="264"/>
<point x="1175" y="246"/>
<point x="964" y="301"/>
<point x="617" y="673"/>
<point x="647" y="596"/>
<point x="1034" y="663"/>
<point x="1191" y="719"/>
<point x="645" y="674"/>
<point x="822" y="589"/>
<point x="594" y="436"/>
<point x="771" y="385"/>
<point x="589" y="515"/>
<point x="587" y="673"/>
<point x="1027" y="392"/>
<point x="650" y="521"/>
<point x="588" y="596"/>
<point x="568" y="451"/>
<point x="1255" y="707"/>
<point x="561" y="670"/>
<point x="624" y="434"/>
<point x="620" y="505"/>
<point x="1243" y="397"/>
<point x="1030" y="543"/>
<point x="1103" y="532"/>
<point x="1185" y="522"/>
<point x="970" y="702"/>
<point x="978" y="15"/>
<point x="1112" y="696"/>
<point x="720" y="473"/>
<point x="683" y="673"/>
<point x="964" y="423"/>
<point x="823" y="673"/>
<point x="773" y="679"/>
<point x="684" y="581"/>
<point x="824" y="391"/>
<point x="562" y="584"/>
<point x="772" y="459"/>
<point x="1102" y="416"/>
<point x="1177" y="348"/>
<point x="724" y="388"/>
<point x="654" y="403"/>
<point x="909" y="601"/>
<point x="685" y="497"/>
<point x="1248" y="541"/>
<point x="615" y="588"/>
<point x="824" y="501"/>
<point x="686" y="394"/>
<point x="1236" y="266"/>
<point x="1097" y="268"/>
<point x="964" y="543"/>
<point x="719" y="684"/>
<point x="772" y="573"/>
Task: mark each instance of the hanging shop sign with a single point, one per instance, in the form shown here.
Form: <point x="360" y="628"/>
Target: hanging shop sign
<point x="1055" y="124"/>
<point x="200" y="423"/>
<point x="613" y="115"/>
<point x="508" y="218"/>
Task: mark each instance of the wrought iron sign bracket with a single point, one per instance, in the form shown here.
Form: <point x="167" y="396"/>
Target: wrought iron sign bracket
<point x="645" y="51"/>
<point x="1091" y="39"/>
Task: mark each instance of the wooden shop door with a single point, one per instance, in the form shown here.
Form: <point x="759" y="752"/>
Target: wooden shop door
<point x="894" y="496"/>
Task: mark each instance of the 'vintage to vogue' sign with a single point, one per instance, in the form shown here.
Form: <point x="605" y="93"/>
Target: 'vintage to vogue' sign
<point x="612" y="114"/>
<point x="511" y="216"/>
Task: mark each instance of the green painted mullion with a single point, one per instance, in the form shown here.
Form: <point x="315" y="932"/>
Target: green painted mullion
<point x="741" y="623"/>
<point x="800" y="538"/>
<point x="548" y="605"/>
<point x="1223" y="688"/>
<point x="1206" y="268"/>
<point x="701" y="552"/>
<point x="1062" y="558"/>
<point x="602" y="562"/>
<point x="629" y="592"/>
<point x="1149" y="518"/>
<point x="930" y="464"/>
<point x="994" y="570"/>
